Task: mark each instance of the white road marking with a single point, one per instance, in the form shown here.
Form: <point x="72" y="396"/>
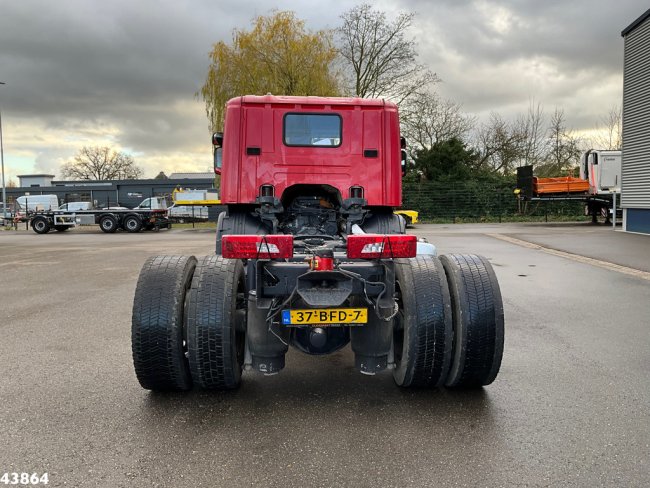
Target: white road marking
<point x="644" y="275"/>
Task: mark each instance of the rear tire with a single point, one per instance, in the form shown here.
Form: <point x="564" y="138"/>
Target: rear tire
<point x="40" y="225"/>
<point x="132" y="223"/>
<point x="216" y="323"/>
<point x="478" y="320"/>
<point x="422" y="338"/>
<point x="108" y="224"/>
<point x="157" y="331"/>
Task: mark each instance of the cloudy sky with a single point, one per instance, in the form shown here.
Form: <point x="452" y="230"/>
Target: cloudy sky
<point x="123" y="73"/>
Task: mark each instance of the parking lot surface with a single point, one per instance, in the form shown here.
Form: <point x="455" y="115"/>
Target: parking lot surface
<point x="570" y="407"/>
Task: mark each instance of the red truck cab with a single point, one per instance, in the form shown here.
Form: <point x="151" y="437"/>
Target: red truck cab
<point x="280" y="142"/>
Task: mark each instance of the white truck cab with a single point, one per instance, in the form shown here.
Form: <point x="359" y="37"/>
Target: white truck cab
<point x="603" y="171"/>
<point x="154" y="203"/>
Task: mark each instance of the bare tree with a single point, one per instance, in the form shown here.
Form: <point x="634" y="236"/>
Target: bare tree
<point x="101" y="163"/>
<point x="379" y="59"/>
<point x="534" y="141"/>
<point x="611" y="130"/>
<point x="564" y="147"/>
<point x="427" y="119"/>
<point x="500" y="145"/>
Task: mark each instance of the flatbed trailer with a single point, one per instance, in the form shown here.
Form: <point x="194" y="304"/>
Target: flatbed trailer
<point x="594" y="204"/>
<point x="109" y="220"/>
<point x="564" y="189"/>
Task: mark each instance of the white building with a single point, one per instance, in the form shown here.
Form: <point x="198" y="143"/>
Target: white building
<point x="35" y="180"/>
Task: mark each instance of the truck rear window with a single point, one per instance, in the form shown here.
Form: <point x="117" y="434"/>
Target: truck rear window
<point x="312" y="130"/>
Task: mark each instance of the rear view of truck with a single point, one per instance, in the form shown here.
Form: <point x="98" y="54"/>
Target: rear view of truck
<point x="309" y="255"/>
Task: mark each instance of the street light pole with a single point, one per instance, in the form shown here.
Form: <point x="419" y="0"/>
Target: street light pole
<point x="2" y="159"/>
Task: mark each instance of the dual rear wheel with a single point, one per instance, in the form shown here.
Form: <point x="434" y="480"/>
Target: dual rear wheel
<point x="189" y="322"/>
<point x="450" y="327"/>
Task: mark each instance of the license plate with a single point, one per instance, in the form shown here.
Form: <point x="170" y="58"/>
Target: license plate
<point x="324" y="316"/>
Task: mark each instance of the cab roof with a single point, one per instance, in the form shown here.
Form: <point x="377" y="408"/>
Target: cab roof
<point x="308" y="100"/>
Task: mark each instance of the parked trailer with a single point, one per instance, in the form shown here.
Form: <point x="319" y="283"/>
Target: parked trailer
<point x="109" y="220"/>
<point x="599" y="182"/>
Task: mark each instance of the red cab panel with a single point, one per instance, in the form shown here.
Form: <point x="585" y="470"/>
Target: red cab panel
<point x="286" y="141"/>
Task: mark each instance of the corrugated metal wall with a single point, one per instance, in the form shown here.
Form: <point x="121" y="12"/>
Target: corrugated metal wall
<point x="635" y="178"/>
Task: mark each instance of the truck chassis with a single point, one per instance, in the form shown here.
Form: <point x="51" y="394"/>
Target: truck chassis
<point x="434" y="321"/>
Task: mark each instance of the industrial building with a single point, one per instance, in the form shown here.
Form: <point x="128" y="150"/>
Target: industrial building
<point x="635" y="176"/>
<point x="127" y="193"/>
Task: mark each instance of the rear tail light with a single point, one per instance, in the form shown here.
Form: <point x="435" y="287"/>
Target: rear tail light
<point x="377" y="246"/>
<point x="257" y="247"/>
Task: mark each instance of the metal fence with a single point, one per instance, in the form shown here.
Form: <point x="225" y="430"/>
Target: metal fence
<point x="478" y="202"/>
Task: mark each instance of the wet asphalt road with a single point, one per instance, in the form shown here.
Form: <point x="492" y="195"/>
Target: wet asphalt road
<point x="570" y="407"/>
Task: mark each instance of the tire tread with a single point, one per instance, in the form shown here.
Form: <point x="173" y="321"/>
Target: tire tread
<point x="210" y="323"/>
<point x="478" y="320"/>
<point x="431" y="347"/>
<point x="157" y="323"/>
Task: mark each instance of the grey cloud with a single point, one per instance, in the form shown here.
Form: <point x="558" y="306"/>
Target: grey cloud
<point x="576" y="35"/>
<point x="576" y="42"/>
<point x="75" y="64"/>
<point x="124" y="63"/>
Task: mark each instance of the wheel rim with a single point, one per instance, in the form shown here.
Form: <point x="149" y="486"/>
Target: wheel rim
<point x="39" y="225"/>
<point x="131" y="224"/>
<point x="107" y="224"/>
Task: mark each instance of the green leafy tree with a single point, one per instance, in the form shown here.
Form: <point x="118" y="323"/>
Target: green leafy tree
<point x="278" y="55"/>
<point x="449" y="160"/>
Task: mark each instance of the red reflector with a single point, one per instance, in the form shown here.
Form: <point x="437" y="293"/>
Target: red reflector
<point x="257" y="247"/>
<point x="377" y="246"/>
